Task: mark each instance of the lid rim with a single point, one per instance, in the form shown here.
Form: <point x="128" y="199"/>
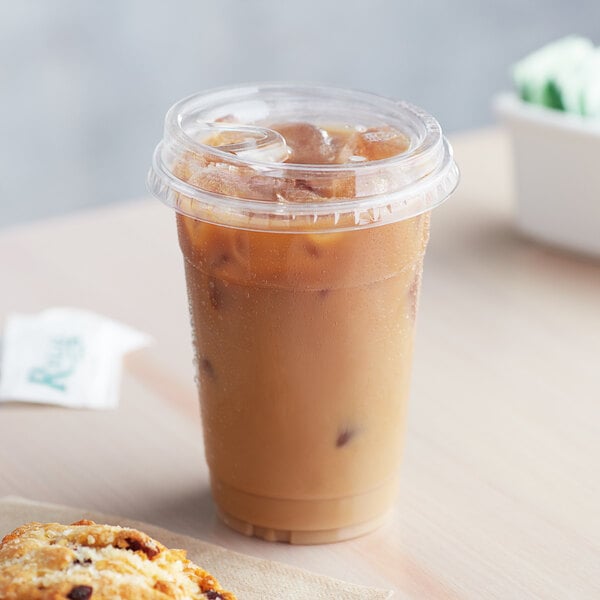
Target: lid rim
<point x="327" y="206"/>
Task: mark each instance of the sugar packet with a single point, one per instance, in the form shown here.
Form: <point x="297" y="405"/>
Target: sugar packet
<point x="65" y="356"/>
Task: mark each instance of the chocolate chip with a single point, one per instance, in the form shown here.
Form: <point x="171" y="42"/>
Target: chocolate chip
<point x="207" y="367"/>
<point x="132" y="544"/>
<point x="85" y="561"/>
<point x="136" y="545"/>
<point x="214" y="294"/>
<point x="344" y="436"/>
<point x="80" y="592"/>
<point x="324" y="293"/>
<point x="213" y="595"/>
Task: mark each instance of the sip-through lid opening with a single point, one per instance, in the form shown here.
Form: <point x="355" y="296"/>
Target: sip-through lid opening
<point x="221" y="160"/>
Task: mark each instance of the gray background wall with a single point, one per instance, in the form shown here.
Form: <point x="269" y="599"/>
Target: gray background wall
<point x="84" y="85"/>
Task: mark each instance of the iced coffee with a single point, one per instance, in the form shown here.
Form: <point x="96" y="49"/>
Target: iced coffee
<point x="303" y="218"/>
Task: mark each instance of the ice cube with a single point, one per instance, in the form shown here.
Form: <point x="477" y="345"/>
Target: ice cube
<point x="308" y="144"/>
<point x="297" y="191"/>
<point x="221" y="178"/>
<point x="377" y="143"/>
<point x="362" y="144"/>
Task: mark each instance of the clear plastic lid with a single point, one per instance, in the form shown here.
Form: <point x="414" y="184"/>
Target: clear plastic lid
<point x="241" y="157"/>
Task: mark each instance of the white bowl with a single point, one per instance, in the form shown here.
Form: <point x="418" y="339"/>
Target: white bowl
<point x="557" y="173"/>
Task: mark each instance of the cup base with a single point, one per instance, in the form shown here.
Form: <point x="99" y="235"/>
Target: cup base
<point x="323" y="536"/>
<point x="307" y="521"/>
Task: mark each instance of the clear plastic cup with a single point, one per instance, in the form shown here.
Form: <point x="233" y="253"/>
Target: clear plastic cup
<point x="303" y="218"/>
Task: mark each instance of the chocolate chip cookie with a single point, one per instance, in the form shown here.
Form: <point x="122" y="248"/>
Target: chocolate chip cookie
<point x="87" y="561"/>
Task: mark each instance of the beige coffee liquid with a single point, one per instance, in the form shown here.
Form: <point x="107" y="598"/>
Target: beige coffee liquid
<point x="304" y="344"/>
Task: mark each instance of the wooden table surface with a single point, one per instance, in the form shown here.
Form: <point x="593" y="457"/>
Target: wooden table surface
<point x="500" y="494"/>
